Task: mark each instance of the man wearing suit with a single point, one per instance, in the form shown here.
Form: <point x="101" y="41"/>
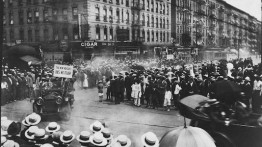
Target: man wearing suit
<point x="128" y="84"/>
<point x="191" y="87"/>
<point x="121" y="87"/>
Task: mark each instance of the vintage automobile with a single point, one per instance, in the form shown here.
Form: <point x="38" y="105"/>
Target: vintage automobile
<point x="227" y="133"/>
<point x="55" y="97"/>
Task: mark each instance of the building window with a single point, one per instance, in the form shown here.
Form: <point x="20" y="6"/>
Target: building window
<point x="37" y="35"/>
<point x="110" y="1"/>
<point x="12" y="37"/>
<point x="105" y="14"/>
<point x="152" y="21"/>
<point x="148" y="36"/>
<point x="55" y="33"/>
<point x="164" y="36"/>
<point x="4" y="20"/>
<point x="157" y="36"/>
<point x="65" y="33"/>
<point x="161" y="37"/>
<point x="97" y="14"/>
<point x="110" y="15"/>
<point x="36" y="16"/>
<point x="156" y="7"/>
<point x="105" y="1"/>
<point x="46" y="36"/>
<point x="4" y="3"/>
<point x="156" y="22"/>
<point x="30" y="35"/>
<point x="21" y="34"/>
<point x="143" y="35"/>
<point x="10" y="3"/>
<point x="111" y="34"/>
<point x="164" y="9"/>
<point x="127" y="17"/>
<point x="160" y="22"/>
<point x="45" y="13"/>
<point x="147" y="5"/>
<point x="167" y="36"/>
<point x="4" y="36"/>
<point x="105" y="33"/>
<point x="21" y="17"/>
<point x="153" y="36"/>
<point x="76" y="32"/>
<point x="54" y="14"/>
<point x="11" y="18"/>
<point x="164" y="23"/>
<point x="65" y="14"/>
<point x="148" y="21"/>
<point x="127" y="3"/>
<point x="167" y="9"/>
<point x="122" y="15"/>
<point x="97" y="33"/>
<point x="117" y="15"/>
<point x="75" y="12"/>
<point x="117" y="2"/>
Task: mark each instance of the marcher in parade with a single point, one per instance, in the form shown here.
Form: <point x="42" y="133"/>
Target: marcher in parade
<point x="100" y="87"/>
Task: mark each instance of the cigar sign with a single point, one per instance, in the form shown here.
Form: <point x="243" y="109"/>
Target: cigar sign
<point x="63" y="71"/>
<point x="88" y="44"/>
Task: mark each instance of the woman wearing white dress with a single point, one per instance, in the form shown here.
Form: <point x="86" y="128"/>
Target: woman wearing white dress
<point x="85" y="83"/>
<point x="136" y="93"/>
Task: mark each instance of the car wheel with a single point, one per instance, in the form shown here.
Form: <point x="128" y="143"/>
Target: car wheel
<point x="66" y="114"/>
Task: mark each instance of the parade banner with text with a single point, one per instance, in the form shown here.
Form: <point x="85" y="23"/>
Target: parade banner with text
<point x="63" y="71"/>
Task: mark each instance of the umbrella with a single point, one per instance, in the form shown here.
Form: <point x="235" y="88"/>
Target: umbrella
<point x="187" y="137"/>
<point x="193" y="101"/>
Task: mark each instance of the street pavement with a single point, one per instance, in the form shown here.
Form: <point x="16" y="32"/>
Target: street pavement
<point x="120" y="119"/>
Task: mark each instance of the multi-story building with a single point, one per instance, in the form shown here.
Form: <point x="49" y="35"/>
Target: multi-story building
<point x="43" y="21"/>
<point x="147" y="23"/>
<point x="212" y="24"/>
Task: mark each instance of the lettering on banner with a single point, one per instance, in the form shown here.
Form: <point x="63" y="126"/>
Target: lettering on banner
<point x="63" y="71"/>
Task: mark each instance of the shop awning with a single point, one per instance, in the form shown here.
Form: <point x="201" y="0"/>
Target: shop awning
<point x="32" y="60"/>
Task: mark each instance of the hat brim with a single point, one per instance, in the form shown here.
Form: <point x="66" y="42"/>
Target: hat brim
<point x="25" y="123"/>
<point x="3" y="133"/>
<point x="110" y="138"/>
<point x="128" y="144"/>
<point x="43" y="138"/>
<point x="82" y="141"/>
<point x="92" y="129"/>
<point x="51" y="131"/>
<point x="103" y="143"/>
<point x="35" y="123"/>
<point x="143" y="140"/>
<point x="67" y="141"/>
<point x="27" y="136"/>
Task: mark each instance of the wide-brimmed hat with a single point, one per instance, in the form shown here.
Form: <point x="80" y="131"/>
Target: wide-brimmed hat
<point x="10" y="143"/>
<point x="123" y="140"/>
<point x="33" y="119"/>
<point x="56" y="137"/>
<point x="4" y="126"/>
<point x="96" y="126"/>
<point x="107" y="134"/>
<point x="150" y="139"/>
<point x="67" y="137"/>
<point x="83" y="137"/>
<point x="40" y="134"/>
<point x="30" y="132"/>
<point x="52" y="127"/>
<point x="98" y="139"/>
<point x="47" y="145"/>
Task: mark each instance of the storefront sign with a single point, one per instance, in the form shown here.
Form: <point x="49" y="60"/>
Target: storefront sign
<point x="63" y="71"/>
<point x="170" y="57"/>
<point x="88" y="44"/>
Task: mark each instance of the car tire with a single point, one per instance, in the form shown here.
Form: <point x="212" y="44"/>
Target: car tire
<point x="66" y="114"/>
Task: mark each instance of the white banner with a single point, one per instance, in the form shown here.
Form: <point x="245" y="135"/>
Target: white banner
<point x="63" y="71"/>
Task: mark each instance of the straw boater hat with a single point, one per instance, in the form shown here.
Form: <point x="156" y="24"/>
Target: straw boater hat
<point x="96" y="127"/>
<point x="29" y="133"/>
<point x="149" y="139"/>
<point x="40" y="134"/>
<point x="67" y="137"/>
<point x="52" y="127"/>
<point x="46" y="145"/>
<point x="107" y="135"/>
<point x="123" y="140"/>
<point x="56" y="137"/>
<point x="98" y="139"/>
<point x="84" y="137"/>
<point x="32" y="120"/>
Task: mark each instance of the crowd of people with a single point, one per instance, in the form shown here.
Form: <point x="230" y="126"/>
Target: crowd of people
<point x="162" y="86"/>
<point x="28" y="134"/>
